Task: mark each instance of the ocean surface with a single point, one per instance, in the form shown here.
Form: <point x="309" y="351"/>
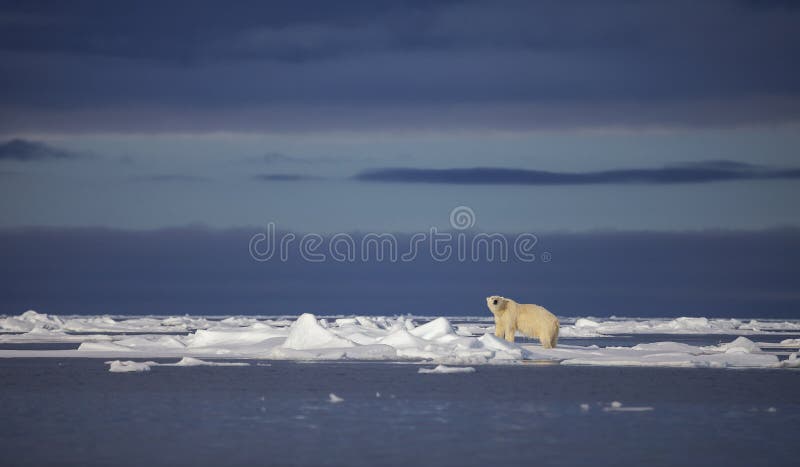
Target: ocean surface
<point x="73" y="411"/>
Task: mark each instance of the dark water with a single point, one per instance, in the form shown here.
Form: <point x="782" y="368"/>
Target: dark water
<point x="74" y="412"/>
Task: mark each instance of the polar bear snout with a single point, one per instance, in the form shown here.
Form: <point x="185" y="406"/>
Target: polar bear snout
<point x="495" y="303"/>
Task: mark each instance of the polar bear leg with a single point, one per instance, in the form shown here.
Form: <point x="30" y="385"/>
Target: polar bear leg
<point x="498" y="328"/>
<point x="548" y="340"/>
<point x="510" y="331"/>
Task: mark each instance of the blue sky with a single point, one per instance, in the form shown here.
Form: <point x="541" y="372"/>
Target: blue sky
<point x="543" y="117"/>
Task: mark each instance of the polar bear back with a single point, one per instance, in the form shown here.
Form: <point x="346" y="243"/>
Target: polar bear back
<point x="535" y="321"/>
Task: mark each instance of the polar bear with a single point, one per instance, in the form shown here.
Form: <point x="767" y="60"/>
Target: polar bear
<point x="531" y="320"/>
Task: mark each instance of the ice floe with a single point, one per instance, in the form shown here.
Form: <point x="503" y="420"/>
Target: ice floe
<point x="401" y="338"/>
<point x="127" y="366"/>
<point x="444" y="370"/>
<point x="616" y="406"/>
<point x="119" y="366"/>
<point x="585" y="327"/>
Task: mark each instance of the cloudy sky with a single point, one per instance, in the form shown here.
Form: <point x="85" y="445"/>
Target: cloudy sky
<point x="355" y="116"/>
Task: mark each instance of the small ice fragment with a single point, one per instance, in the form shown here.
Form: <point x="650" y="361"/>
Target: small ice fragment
<point x="127" y="366"/>
<point x="441" y="369"/>
<point x="772" y="410"/>
<point x="616" y="406"/>
<point x="584" y="407"/>
<point x="377" y="394"/>
<point x="334" y="399"/>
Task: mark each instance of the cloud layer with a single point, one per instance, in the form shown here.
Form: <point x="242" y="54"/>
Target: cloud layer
<point x="311" y="64"/>
<point x="26" y="151"/>
<point x="713" y="171"/>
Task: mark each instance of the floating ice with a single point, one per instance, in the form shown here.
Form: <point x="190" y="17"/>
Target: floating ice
<point x="442" y="370"/>
<point x="119" y="366"/>
<point x="616" y="406"/>
<point x="738" y="345"/>
<point x="189" y="361"/>
<point x="31" y="321"/>
<point x="585" y="327"/>
<point x="334" y="399"/>
<point x="792" y="362"/>
<point x="436" y="341"/>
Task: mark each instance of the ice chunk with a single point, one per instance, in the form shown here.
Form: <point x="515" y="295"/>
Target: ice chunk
<point x="128" y="366"/>
<point x="402" y="339"/>
<point x="503" y="349"/>
<point x="617" y="406"/>
<point x="435" y="329"/>
<point x="792" y="362"/>
<point x="738" y="345"/>
<point x="237" y="336"/>
<point x="189" y="361"/>
<point x="31" y="321"/>
<point x="371" y="352"/>
<point x="306" y="333"/>
<point x="125" y="366"/>
<point x="667" y="347"/>
<point x="334" y="399"/>
<point x="148" y="342"/>
<point x="109" y="347"/>
<point x="441" y="369"/>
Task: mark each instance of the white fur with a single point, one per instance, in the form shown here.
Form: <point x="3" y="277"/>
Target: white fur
<point x="531" y="320"/>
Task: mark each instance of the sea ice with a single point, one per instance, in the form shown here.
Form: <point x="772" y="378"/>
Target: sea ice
<point x="437" y="341"/>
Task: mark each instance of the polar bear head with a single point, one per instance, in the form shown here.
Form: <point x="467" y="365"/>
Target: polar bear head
<point x="496" y="304"/>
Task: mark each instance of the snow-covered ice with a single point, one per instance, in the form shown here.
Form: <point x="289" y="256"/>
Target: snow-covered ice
<point x="402" y="338"/>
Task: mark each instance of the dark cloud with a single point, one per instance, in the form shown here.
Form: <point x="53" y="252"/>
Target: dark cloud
<point x="278" y="158"/>
<point x="746" y="274"/>
<point x="182" y="178"/>
<point x="703" y="172"/>
<point x="284" y="177"/>
<point x="24" y="151"/>
<point x="519" y="63"/>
